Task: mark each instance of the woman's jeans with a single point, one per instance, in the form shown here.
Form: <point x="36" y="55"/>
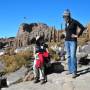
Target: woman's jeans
<point x="71" y="47"/>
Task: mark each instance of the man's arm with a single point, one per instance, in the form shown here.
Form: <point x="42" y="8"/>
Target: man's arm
<point x="80" y="29"/>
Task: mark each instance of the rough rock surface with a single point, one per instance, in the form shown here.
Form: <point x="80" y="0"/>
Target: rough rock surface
<point x="59" y="81"/>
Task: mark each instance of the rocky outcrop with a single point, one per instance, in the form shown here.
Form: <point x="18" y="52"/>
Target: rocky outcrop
<point x="27" y="32"/>
<point x="58" y="81"/>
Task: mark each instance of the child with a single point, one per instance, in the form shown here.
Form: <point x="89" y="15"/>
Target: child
<point x="39" y="64"/>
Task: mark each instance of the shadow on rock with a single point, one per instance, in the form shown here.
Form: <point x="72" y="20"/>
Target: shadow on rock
<point x="84" y="61"/>
<point x="84" y="71"/>
<point x="55" y="67"/>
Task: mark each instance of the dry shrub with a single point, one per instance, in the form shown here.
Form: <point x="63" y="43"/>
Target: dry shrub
<point x="26" y="54"/>
<point x="53" y="55"/>
<point x="82" y="41"/>
<point x="9" y="51"/>
<point x="56" y="57"/>
<point x="10" y="63"/>
<point x="14" y="62"/>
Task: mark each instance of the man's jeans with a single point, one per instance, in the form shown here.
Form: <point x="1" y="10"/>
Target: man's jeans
<point x="71" y="47"/>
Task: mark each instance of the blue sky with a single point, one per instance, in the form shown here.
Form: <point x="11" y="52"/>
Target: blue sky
<point x="12" y="13"/>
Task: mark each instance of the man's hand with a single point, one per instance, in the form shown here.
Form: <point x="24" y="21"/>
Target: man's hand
<point x="74" y="36"/>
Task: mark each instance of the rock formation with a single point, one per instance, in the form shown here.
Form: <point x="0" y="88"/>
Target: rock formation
<point x="27" y="32"/>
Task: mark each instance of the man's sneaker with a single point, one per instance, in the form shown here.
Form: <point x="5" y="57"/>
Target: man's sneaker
<point x="74" y="75"/>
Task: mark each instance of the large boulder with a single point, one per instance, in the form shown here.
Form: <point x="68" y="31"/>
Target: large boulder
<point x="86" y="48"/>
<point x="16" y="76"/>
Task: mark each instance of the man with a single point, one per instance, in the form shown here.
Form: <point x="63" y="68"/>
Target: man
<point x="72" y="33"/>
